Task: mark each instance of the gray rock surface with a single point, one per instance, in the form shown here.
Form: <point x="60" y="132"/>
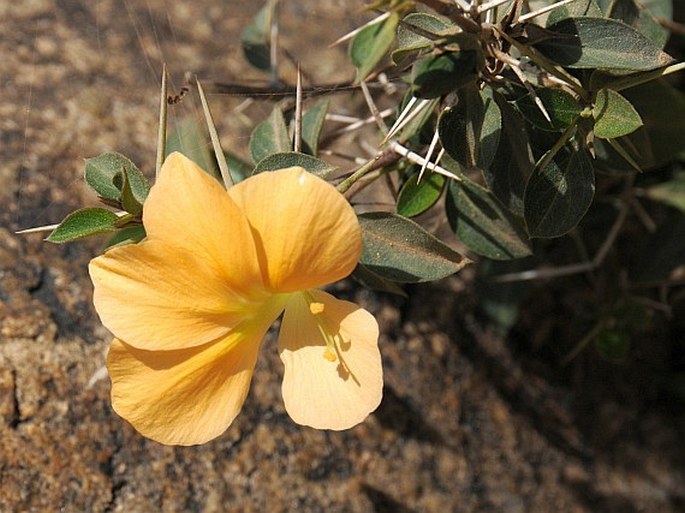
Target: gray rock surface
<point x="464" y="426"/>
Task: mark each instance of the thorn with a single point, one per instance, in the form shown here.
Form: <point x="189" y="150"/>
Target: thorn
<point x="161" y="133"/>
<point x="216" y="144"/>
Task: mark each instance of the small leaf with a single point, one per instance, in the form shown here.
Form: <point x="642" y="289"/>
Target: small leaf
<point x="416" y="197"/>
<point x="460" y="127"/>
<point x="312" y="124"/>
<point x="255" y="38"/>
<point x="490" y="131"/>
<point x="558" y="196"/>
<point x="240" y="169"/>
<point x="561" y="106"/>
<point x="128" y="200"/>
<point x="400" y="250"/>
<point x="84" y="223"/>
<point x="438" y="75"/>
<point x="278" y="161"/>
<point x="371" y="44"/>
<point x="508" y="173"/>
<point x="128" y="235"/>
<point x="586" y="42"/>
<point x="410" y="41"/>
<point x="614" y="115"/>
<point x="270" y="136"/>
<point x="101" y="176"/>
<point x="483" y="224"/>
<point x="190" y="138"/>
<point x="671" y="192"/>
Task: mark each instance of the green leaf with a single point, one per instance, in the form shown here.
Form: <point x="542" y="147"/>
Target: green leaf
<point x="483" y="223"/>
<point x="490" y="131"/>
<point x="374" y="282"/>
<point x="508" y="173"/>
<point x="438" y="75"/>
<point x="278" y="161"/>
<point x="460" y="127"/>
<point x="255" y="38"/>
<point x="587" y="43"/>
<point x="614" y="115"/>
<point x="371" y="44"/>
<point x="312" y="124"/>
<point x="416" y="197"/>
<point x="190" y="138"/>
<point x="103" y="175"/>
<point x="270" y="136"/>
<point x="128" y="200"/>
<point x="671" y="192"/>
<point x="398" y="249"/>
<point x="409" y="33"/>
<point x="240" y="169"/>
<point x="84" y="223"/>
<point x="573" y="10"/>
<point x="558" y="196"/>
<point x="561" y="106"/>
<point x="642" y="15"/>
<point x="128" y="235"/>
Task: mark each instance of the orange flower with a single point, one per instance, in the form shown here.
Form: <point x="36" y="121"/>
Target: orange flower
<point x="190" y="305"/>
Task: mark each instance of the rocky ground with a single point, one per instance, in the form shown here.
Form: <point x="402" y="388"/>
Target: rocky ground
<point x="469" y="421"/>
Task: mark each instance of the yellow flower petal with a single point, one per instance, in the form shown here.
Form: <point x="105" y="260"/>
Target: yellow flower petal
<point x="307" y="234"/>
<point x="157" y="296"/>
<point x="329" y="387"/>
<point x="188" y="208"/>
<point x="182" y="397"/>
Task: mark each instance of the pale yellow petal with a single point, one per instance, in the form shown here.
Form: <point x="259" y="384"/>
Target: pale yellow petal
<point x="182" y="397"/>
<point x="307" y="233"/>
<point x="188" y="208"/>
<point x="323" y="387"/>
<point x="157" y="296"/>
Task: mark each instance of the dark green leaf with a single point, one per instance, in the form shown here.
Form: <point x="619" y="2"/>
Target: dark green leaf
<point x="508" y="173"/>
<point x="483" y="224"/>
<point x="190" y="138"/>
<point x="238" y="167"/>
<point x="573" y="10"/>
<point x="409" y="33"/>
<point x="558" y="196"/>
<point x="371" y="44"/>
<point x="84" y="223"/>
<point x="416" y="197"/>
<point x="312" y="124"/>
<point x="104" y="172"/>
<point x="642" y="15"/>
<point x="270" y="136"/>
<point x="490" y="131"/>
<point x="614" y="115"/>
<point x="278" y="161"/>
<point x="437" y="75"/>
<point x="460" y="127"/>
<point x="374" y="282"/>
<point x="255" y="39"/>
<point x="130" y="234"/>
<point x="400" y="250"/>
<point x="563" y="109"/>
<point x="588" y="43"/>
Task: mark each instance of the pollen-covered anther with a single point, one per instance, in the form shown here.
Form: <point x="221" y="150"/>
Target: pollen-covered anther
<point x="329" y="355"/>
